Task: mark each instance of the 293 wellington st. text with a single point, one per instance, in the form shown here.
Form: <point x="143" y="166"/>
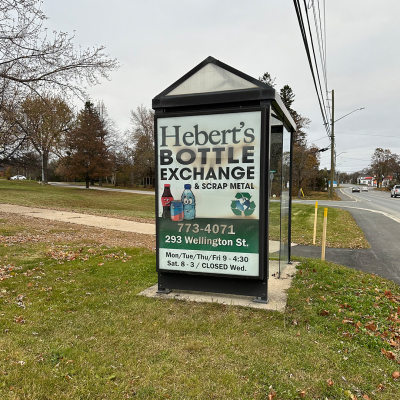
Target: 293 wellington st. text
<point x="203" y="240"/>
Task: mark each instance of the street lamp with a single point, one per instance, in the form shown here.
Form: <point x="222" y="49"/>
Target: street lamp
<point x="333" y="142"/>
<point x="337" y="155"/>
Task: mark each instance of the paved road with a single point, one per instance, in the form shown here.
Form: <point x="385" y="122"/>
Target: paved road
<point x="378" y="215"/>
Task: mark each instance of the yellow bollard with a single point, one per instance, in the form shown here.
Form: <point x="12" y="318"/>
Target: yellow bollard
<point x="324" y="234"/>
<point x="315" y="222"/>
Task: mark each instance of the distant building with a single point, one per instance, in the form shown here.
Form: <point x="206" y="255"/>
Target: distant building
<point x="367" y="180"/>
<point x="387" y="181"/>
<point x="371" y="181"/>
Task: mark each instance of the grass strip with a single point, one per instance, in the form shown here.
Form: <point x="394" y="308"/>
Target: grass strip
<point x="73" y="327"/>
<point x="342" y="229"/>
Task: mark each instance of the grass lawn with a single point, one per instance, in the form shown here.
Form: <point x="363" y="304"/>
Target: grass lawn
<point x="72" y="326"/>
<point x="321" y="196"/>
<point x="111" y="186"/>
<point x="121" y="205"/>
<point x="342" y="229"/>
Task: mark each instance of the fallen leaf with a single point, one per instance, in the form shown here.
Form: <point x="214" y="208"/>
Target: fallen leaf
<point x="366" y="397"/>
<point x="380" y="388"/>
<point x="347" y="321"/>
<point x="271" y="395"/>
<point x="330" y="382"/>
<point x="396" y="375"/>
<point x="19" y="320"/>
<point x="389" y="354"/>
<point x="371" y="326"/>
<point x="324" y="312"/>
<point x="302" y="393"/>
<point x="350" y="395"/>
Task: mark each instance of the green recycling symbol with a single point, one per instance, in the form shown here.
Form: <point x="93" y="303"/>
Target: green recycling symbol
<point x="243" y="205"/>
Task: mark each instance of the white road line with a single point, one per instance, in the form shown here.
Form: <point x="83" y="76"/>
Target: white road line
<point x="342" y="205"/>
<point x="347" y="194"/>
<point x="374" y="211"/>
<point x="365" y="199"/>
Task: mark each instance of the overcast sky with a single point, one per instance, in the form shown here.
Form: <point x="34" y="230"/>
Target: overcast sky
<point x="158" y="41"/>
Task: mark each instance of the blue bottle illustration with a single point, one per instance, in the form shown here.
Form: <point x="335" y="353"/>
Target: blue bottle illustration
<point x="189" y="204"/>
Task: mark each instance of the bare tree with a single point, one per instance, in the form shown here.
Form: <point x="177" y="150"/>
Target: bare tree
<point x="45" y="120"/>
<point x="381" y="162"/>
<point x="142" y="133"/>
<point x="32" y="61"/>
<point x="305" y="167"/>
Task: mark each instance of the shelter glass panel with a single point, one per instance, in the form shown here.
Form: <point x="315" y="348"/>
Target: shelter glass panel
<point x="285" y="199"/>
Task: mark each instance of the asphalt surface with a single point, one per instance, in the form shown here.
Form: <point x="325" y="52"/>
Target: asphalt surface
<point x="381" y="228"/>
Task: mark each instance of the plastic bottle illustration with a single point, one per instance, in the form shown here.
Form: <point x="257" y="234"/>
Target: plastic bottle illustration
<point x="189" y="203"/>
<point x="166" y="199"/>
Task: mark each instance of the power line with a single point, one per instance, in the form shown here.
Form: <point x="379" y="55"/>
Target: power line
<point x="323" y="55"/>
<point x="321" y="46"/>
<point x="316" y="140"/>
<point x="367" y="134"/>
<point x="307" y="48"/>
<point x="313" y="51"/>
<point x="358" y="159"/>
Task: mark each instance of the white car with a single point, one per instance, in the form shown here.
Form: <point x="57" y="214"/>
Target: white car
<point x="395" y="191"/>
<point x="18" y="177"/>
<point x="364" y="189"/>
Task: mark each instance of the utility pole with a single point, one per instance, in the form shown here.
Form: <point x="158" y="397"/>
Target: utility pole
<point x="332" y="146"/>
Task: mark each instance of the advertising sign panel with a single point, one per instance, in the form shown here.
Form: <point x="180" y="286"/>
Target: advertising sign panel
<point x="209" y="193"/>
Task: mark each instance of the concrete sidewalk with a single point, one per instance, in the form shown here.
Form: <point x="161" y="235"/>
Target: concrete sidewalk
<point x="81" y="219"/>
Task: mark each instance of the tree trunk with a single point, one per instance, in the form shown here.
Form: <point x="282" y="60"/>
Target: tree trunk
<point x="87" y="182"/>
<point x="45" y="169"/>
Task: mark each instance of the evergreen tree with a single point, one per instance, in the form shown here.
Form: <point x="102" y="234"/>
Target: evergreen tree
<point x="287" y="97"/>
<point x="305" y="158"/>
<point x="87" y="157"/>
<point x="268" y="79"/>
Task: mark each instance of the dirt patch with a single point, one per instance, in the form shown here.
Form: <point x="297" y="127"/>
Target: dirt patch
<point x="36" y="230"/>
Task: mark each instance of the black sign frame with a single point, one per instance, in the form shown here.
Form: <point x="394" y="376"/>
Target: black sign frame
<point x="246" y="285"/>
